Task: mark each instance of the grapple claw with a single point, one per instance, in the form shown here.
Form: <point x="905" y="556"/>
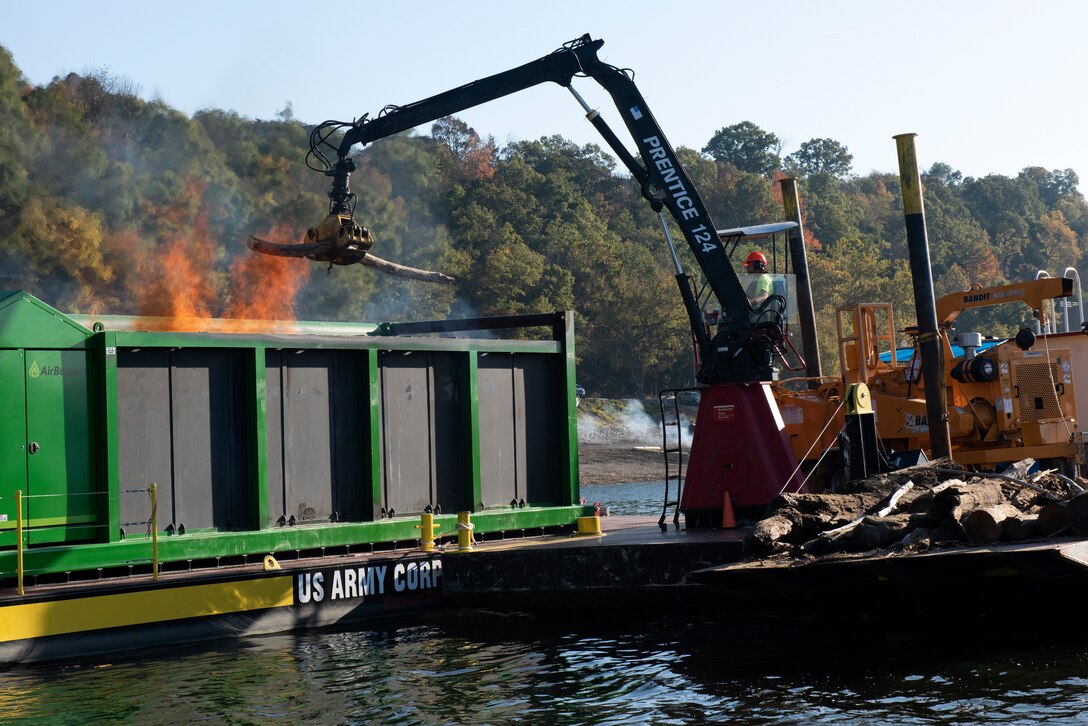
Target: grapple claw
<point x="347" y="242"/>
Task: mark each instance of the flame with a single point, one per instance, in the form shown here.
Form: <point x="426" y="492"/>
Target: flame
<point x="182" y="290"/>
<point x="264" y="287"/>
<point x="187" y="289"/>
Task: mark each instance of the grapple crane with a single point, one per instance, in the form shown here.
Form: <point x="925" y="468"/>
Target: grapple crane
<point x="740" y="446"/>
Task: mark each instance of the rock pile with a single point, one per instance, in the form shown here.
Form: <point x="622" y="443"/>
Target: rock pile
<point x="933" y="505"/>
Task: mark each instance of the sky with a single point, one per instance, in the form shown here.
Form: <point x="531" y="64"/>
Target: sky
<point x="989" y="86"/>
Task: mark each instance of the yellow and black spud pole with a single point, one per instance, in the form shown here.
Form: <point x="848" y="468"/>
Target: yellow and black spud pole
<point x="921" y="273"/>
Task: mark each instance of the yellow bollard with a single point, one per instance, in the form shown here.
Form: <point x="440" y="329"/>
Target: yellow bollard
<point x="589" y="526"/>
<point x="427" y="527"/>
<point x="465" y="540"/>
<point x="19" y="539"/>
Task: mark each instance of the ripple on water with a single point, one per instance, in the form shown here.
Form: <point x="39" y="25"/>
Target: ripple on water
<point x="477" y="670"/>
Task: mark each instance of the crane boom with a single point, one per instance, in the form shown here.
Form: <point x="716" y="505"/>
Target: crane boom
<point x="735" y="353"/>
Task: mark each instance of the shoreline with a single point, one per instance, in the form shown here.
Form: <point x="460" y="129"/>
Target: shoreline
<point x="616" y="463"/>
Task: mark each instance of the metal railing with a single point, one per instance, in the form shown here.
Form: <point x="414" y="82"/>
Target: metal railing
<point x="1051" y="326"/>
<point x="1047" y="325"/>
<point x="23" y="528"/>
<point x="152" y="524"/>
<point x="669" y="403"/>
<point x="1071" y="273"/>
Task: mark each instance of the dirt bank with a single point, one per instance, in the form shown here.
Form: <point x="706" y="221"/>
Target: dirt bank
<point x="619" y="441"/>
<point x="606" y="463"/>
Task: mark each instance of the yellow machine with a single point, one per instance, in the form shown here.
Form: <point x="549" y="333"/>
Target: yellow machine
<point x="1006" y="402"/>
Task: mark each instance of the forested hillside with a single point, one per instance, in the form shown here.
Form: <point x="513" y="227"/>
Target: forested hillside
<point x="110" y="203"/>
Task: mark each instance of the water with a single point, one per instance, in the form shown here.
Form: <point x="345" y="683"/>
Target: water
<point x="479" y="667"/>
<point x="636" y="498"/>
<point x="475" y="668"/>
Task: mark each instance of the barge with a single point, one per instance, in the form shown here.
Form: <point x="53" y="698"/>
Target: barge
<point x="152" y="476"/>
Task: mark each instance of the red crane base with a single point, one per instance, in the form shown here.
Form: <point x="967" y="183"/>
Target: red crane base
<point x="740" y="446"/>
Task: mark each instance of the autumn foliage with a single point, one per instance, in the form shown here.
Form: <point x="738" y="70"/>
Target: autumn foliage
<point x="113" y="204"/>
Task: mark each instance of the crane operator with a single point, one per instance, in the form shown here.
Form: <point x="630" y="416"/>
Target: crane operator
<point x="760" y="285"/>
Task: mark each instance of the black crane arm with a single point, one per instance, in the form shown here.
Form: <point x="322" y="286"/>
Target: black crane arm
<point x="735" y="353"/>
<point x="559" y="67"/>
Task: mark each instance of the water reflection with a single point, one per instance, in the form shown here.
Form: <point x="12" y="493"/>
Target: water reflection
<point x="485" y="667"/>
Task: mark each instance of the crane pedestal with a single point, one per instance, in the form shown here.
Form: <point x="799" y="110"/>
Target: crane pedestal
<point x="740" y="446"/>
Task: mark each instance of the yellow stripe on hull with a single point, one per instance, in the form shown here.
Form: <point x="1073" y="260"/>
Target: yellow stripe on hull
<point x="76" y="615"/>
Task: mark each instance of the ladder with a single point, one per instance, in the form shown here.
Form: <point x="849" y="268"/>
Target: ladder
<point x="673" y="452"/>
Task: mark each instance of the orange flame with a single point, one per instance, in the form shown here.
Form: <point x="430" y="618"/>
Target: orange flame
<point x="182" y="290"/>
<point x="187" y="288"/>
<point x="264" y="287"/>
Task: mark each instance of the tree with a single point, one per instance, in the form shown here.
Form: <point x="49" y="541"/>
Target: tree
<point x="745" y="146"/>
<point x="821" y="156"/>
<point x="62" y="247"/>
<point x="1052" y="185"/>
<point x="835" y="213"/>
<point x="16" y="140"/>
<point x="587" y="168"/>
<point x="1006" y="208"/>
<point x="506" y="276"/>
<point x="1056" y="243"/>
<point x="960" y="249"/>
<point x="942" y="173"/>
<point x="471" y="157"/>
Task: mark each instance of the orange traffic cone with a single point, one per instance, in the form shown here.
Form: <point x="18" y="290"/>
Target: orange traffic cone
<point x="729" y="520"/>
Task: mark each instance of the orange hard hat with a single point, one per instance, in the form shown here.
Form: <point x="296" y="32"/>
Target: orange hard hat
<point x="756" y="257"/>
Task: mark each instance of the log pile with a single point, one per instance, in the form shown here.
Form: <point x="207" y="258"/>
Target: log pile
<point x="912" y="510"/>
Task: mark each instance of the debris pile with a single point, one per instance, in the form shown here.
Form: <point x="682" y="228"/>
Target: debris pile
<point x="912" y="510"/>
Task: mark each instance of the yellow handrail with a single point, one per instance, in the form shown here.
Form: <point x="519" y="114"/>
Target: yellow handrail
<point x="19" y="539"/>
<point x="154" y="531"/>
<point x="21" y="525"/>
